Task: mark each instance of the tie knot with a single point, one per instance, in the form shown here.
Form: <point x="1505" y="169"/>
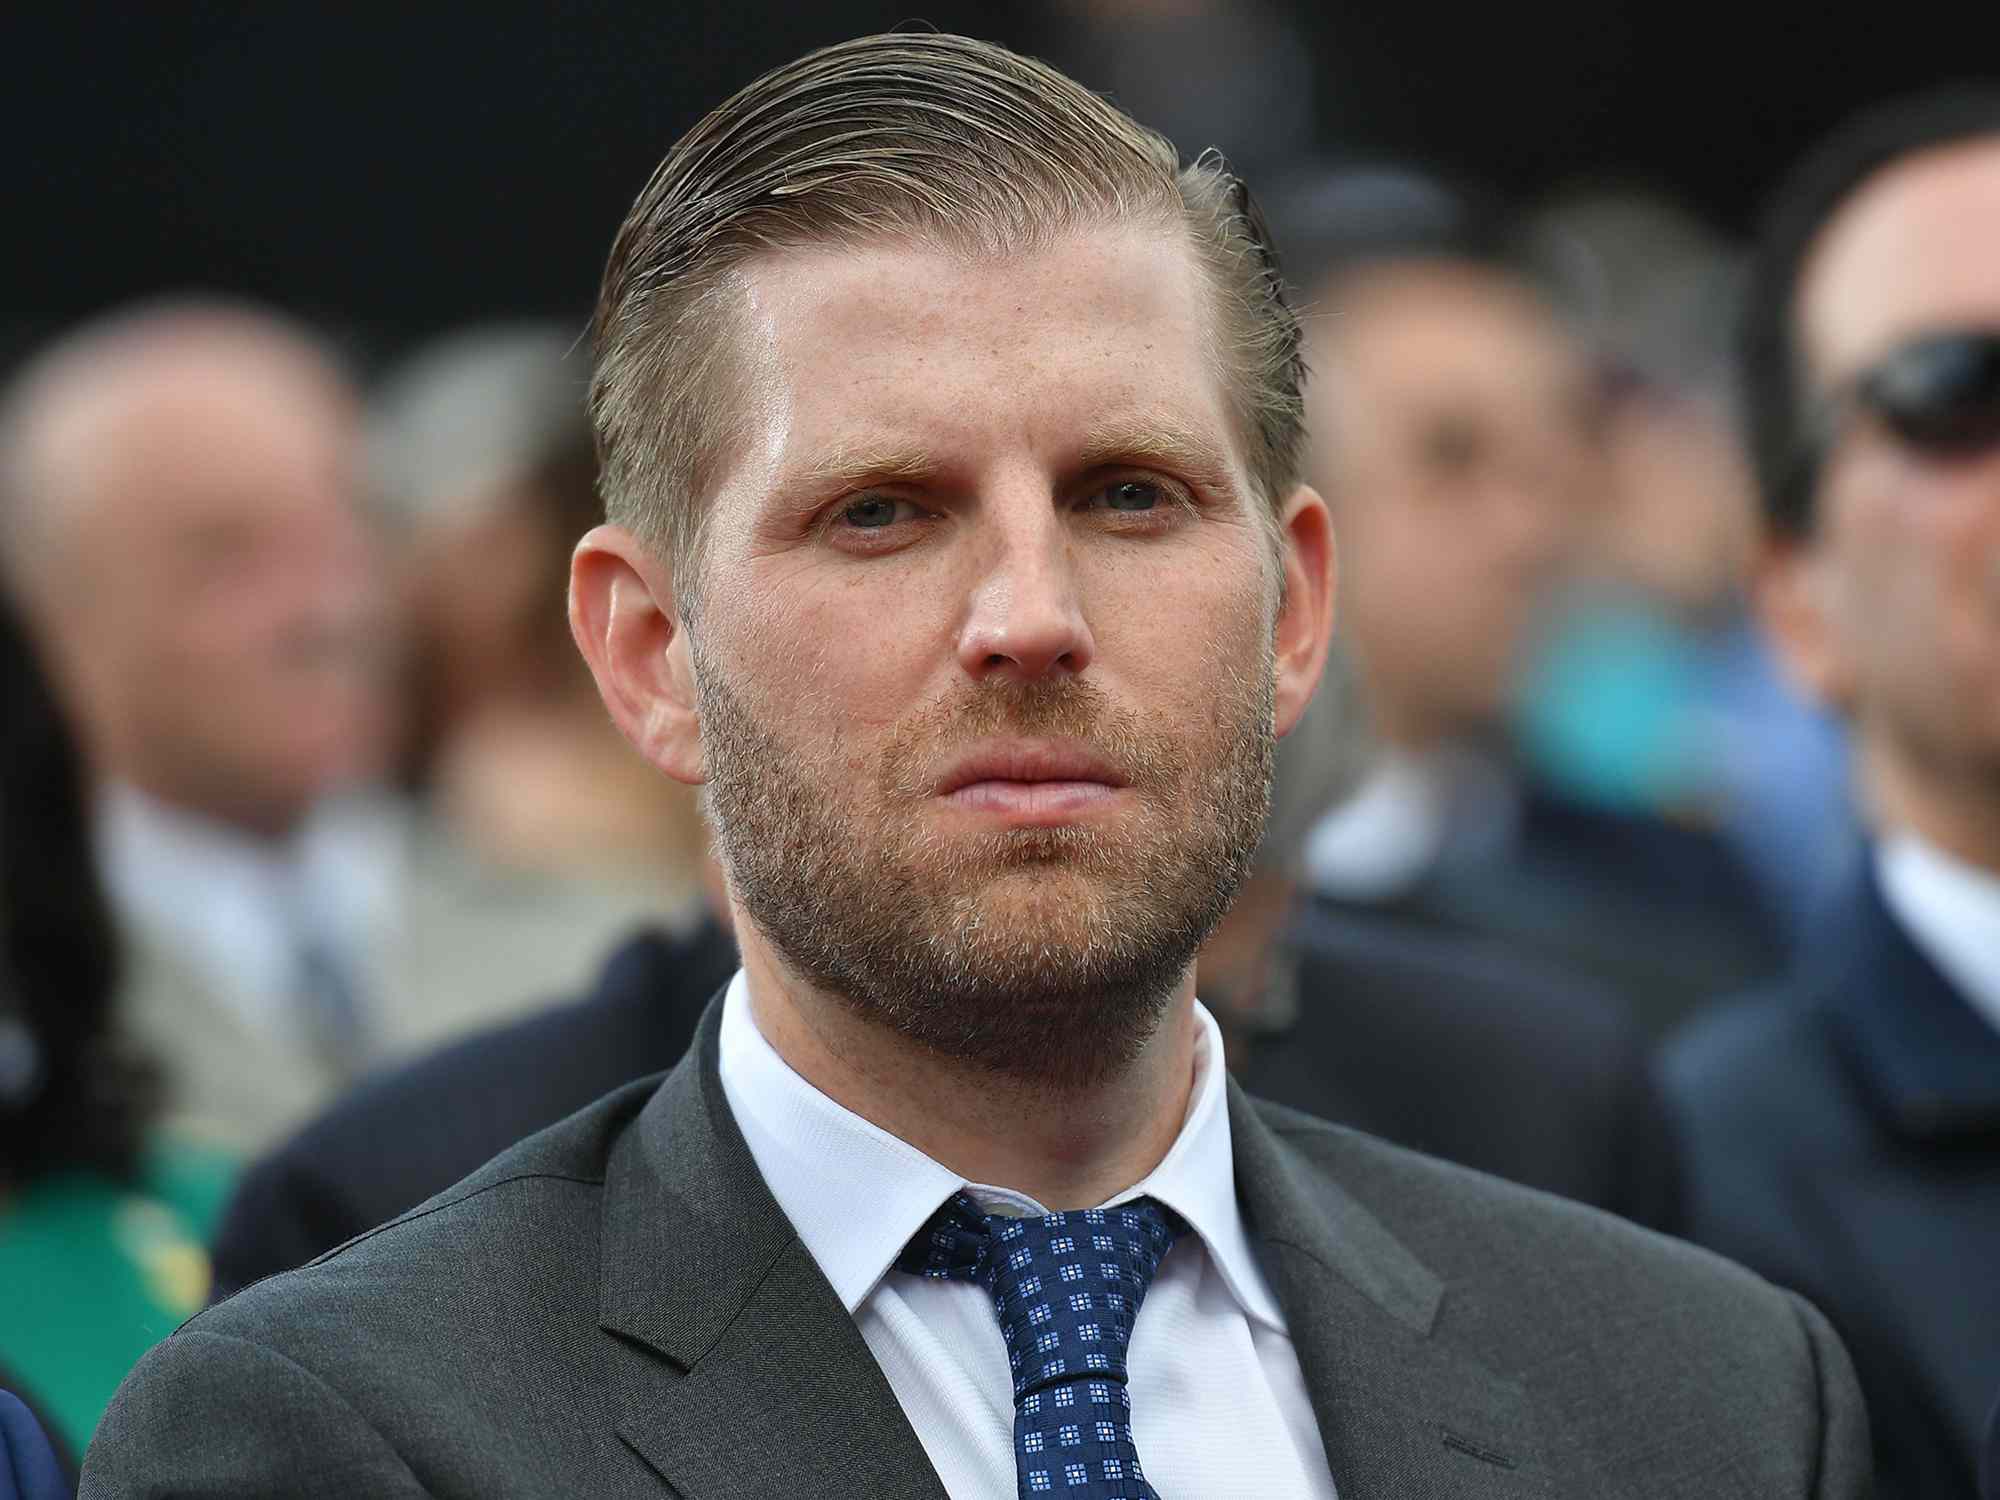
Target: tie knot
<point x="1066" y="1286"/>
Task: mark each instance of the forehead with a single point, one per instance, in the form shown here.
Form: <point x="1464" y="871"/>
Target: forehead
<point x="913" y="347"/>
<point x="1441" y="336"/>
<point x="205" y="440"/>
<point x="1915" y="248"/>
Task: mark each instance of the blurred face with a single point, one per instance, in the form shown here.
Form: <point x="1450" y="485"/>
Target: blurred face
<point x="1449" y="414"/>
<point x="222" y="596"/>
<point x="990" y="655"/>
<point x="1903" y="570"/>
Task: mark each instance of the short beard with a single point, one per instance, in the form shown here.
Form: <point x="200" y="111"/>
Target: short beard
<point x="1059" y="986"/>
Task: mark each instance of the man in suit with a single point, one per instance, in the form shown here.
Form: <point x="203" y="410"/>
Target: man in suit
<point x="181" y="491"/>
<point x="1457" y="437"/>
<point x="184" y="535"/>
<point x="1841" y="1133"/>
<point x="972" y="575"/>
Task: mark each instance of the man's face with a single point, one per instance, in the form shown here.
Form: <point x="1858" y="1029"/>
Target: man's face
<point x="1904" y="562"/>
<point x="225" y="606"/>
<point x="985" y="643"/>
<point x="1451" y="434"/>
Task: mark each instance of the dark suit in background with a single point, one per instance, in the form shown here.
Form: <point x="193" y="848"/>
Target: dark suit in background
<point x="618" y="1307"/>
<point x="1452" y="1050"/>
<point x="29" y="1466"/>
<point x="413" y="1131"/>
<point x="1842" y="1136"/>
<point x="1661" y="914"/>
<point x="1460" y="1049"/>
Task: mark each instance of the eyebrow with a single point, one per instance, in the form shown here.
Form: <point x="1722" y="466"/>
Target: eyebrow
<point x="850" y="465"/>
<point x="1141" y="440"/>
<point x="1155" y="440"/>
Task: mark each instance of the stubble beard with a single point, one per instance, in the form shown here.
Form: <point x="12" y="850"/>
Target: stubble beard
<point x="1046" y="955"/>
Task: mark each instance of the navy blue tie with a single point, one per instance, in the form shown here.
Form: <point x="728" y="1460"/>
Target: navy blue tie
<point x="1067" y="1288"/>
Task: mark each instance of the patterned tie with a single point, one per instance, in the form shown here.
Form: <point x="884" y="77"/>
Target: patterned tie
<point x="1067" y="1288"/>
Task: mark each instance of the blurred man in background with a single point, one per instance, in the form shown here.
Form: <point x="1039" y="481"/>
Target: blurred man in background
<point x="1456" y="431"/>
<point x="184" y="490"/>
<point x="1448" y="1044"/>
<point x="1842" y="1134"/>
<point x="183" y="530"/>
<point x="1651" y="687"/>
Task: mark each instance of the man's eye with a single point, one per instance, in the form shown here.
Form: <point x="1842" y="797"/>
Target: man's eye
<point x="872" y="512"/>
<point x="1132" y="494"/>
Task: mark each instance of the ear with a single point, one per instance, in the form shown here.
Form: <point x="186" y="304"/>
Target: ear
<point x="1305" y="611"/>
<point x="622" y="613"/>
<point x="1794" y="592"/>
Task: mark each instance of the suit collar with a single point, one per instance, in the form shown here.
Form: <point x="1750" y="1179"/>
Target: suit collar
<point x="776" y="1390"/>
<point x="1394" y="1399"/>
<point x="752" y="1379"/>
<point x="1930" y="1063"/>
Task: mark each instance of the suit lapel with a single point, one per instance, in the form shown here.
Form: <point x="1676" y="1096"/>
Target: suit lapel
<point x="754" y="1380"/>
<point x="1929" y="1061"/>
<point x="1400" y="1412"/>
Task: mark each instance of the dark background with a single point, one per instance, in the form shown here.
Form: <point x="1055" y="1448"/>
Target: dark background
<point x="396" y="169"/>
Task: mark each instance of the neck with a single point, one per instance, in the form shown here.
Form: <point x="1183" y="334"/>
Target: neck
<point x="266" y="823"/>
<point x="1956" y="810"/>
<point x="1063" y="1148"/>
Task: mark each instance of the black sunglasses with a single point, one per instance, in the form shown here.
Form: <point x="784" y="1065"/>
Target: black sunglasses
<point x="1939" y="394"/>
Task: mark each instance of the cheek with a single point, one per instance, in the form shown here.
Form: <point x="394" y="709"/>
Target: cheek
<point x="1181" y="633"/>
<point x="848" y="647"/>
<point x="1915" y="553"/>
<point x="1960" y="524"/>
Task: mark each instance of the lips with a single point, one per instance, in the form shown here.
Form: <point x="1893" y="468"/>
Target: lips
<point x="1029" y="762"/>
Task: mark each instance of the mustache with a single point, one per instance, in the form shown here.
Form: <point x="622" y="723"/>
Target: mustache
<point x="1066" y="708"/>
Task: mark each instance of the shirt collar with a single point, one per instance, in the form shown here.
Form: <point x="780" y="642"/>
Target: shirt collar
<point x="1952" y="912"/>
<point x="237" y="907"/>
<point x="821" y="1160"/>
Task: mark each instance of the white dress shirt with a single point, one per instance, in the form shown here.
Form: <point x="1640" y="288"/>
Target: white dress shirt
<point x="1951" y="910"/>
<point x="240" y="909"/>
<point x="1219" y="1405"/>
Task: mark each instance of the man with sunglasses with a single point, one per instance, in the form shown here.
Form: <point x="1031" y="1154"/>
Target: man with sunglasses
<point x="1843" y="1134"/>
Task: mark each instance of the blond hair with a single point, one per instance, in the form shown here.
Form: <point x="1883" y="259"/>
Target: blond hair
<point x="932" y="136"/>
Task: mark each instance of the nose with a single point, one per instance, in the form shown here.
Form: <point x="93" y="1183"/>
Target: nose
<point x="1024" y="618"/>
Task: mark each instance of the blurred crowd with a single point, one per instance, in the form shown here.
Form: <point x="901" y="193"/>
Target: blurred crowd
<point x="304" y="779"/>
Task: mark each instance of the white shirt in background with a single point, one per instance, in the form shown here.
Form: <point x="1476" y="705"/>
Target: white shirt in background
<point x="1219" y="1406"/>
<point x="238" y="910"/>
<point x="1411" y="814"/>
<point x="1951" y="911"/>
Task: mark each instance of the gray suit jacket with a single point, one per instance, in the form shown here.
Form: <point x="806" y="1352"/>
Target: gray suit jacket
<point x="617" y="1307"/>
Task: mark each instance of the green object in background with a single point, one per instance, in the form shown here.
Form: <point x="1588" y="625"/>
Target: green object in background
<point x="93" y="1273"/>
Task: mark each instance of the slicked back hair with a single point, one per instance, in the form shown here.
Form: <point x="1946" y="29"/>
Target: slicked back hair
<point x="1777" y="389"/>
<point x="938" y="138"/>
